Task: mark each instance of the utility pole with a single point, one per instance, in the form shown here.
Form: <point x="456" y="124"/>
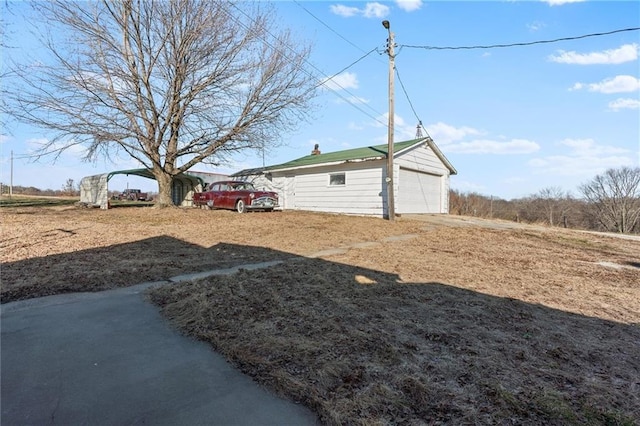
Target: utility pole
<point x="11" y="178"/>
<point x="389" y="179"/>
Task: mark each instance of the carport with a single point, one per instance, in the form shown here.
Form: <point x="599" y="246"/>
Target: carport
<point x="94" y="190"/>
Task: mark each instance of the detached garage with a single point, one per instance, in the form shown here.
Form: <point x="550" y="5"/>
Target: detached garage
<point x="419" y="192"/>
<point x="353" y="181"/>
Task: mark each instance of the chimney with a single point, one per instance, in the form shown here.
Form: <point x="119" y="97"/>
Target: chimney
<point x="316" y="151"/>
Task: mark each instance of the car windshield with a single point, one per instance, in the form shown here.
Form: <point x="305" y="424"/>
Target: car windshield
<point x="239" y="186"/>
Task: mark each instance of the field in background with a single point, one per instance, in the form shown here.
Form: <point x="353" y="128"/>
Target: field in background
<point x="18" y="200"/>
<point x="460" y="321"/>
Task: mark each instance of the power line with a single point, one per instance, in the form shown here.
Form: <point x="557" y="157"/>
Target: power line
<point x="411" y="104"/>
<point x="347" y="67"/>
<point x="406" y="94"/>
<point x="493" y="46"/>
<point x="327" y="26"/>
<point x="347" y="100"/>
<point x="496" y="46"/>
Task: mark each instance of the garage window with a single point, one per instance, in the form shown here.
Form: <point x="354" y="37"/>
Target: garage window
<point x="337" y="179"/>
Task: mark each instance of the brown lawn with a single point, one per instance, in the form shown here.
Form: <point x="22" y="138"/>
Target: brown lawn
<point x="454" y="324"/>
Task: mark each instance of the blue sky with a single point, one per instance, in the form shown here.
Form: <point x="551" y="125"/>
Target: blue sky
<point x="511" y="120"/>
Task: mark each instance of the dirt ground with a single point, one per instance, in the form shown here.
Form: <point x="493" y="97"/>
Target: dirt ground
<point x="457" y="321"/>
<point x="50" y="250"/>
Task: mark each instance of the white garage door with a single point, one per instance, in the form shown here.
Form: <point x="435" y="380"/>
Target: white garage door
<point x="418" y="192"/>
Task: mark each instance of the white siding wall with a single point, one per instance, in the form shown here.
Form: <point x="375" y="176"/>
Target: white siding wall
<point x="365" y="191"/>
<point x="362" y="193"/>
<point x="261" y="182"/>
<point x="268" y="183"/>
<point x="422" y="160"/>
<point x="445" y="193"/>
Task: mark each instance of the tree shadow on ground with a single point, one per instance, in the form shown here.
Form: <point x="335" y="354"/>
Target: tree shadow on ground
<point x="359" y="346"/>
<point x="633" y="264"/>
<point x="129" y="204"/>
<point x="120" y="265"/>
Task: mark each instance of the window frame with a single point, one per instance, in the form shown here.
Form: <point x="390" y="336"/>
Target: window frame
<point x="338" y="174"/>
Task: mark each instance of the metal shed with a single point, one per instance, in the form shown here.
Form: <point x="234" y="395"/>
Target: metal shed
<point x="94" y="190"/>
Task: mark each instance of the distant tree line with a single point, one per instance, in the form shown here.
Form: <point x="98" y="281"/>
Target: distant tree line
<point x="609" y="202"/>
<point x="69" y="189"/>
<point x="28" y="190"/>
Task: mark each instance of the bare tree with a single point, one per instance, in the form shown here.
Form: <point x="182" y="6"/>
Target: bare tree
<point x="169" y="83"/>
<point x="554" y="203"/>
<point x="615" y="199"/>
<point x="69" y="188"/>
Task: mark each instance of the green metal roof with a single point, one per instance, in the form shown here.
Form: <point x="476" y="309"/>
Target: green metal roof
<point x="366" y="153"/>
<point x="146" y="173"/>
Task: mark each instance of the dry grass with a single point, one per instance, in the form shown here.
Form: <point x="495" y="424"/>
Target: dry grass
<point x="459" y="325"/>
<point x="52" y="250"/>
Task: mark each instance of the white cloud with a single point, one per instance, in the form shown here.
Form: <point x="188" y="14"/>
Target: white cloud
<point x="585" y="158"/>
<point x="536" y="25"/>
<point x="624" y="103"/>
<point x="565" y="165"/>
<point x="561" y="2"/>
<point x="344" y="11"/>
<point x="402" y="129"/>
<point x="398" y="121"/>
<point x="66" y="147"/>
<point x="35" y="144"/>
<point x="625" y="53"/>
<point x="409" y="5"/>
<point x="617" y="84"/>
<point x="466" y="186"/>
<point x="485" y="146"/>
<point x="443" y="133"/>
<point x="375" y="10"/>
<point x="370" y="10"/>
<point x="346" y="80"/>
<point x="589" y="147"/>
<point x="4" y="138"/>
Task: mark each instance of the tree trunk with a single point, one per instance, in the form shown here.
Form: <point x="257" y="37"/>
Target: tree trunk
<point x="164" y="189"/>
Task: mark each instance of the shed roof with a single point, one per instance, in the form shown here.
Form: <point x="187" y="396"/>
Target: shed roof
<point x="147" y="174"/>
<point x="351" y="155"/>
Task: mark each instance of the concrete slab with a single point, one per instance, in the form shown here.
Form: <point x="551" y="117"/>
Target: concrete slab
<point x="405" y="237"/>
<point x="227" y="271"/>
<point x="109" y="358"/>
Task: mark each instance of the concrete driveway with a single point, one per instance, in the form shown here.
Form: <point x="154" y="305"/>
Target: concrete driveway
<point x="109" y="358"/>
<point x="455" y="221"/>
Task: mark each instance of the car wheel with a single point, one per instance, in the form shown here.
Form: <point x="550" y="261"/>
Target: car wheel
<point x="240" y="206"/>
<point x="209" y="205"/>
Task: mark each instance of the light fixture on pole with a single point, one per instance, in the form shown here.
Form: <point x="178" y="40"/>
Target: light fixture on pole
<point x="391" y="213"/>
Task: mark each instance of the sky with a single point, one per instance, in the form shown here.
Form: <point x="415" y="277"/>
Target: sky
<point x="511" y="120"/>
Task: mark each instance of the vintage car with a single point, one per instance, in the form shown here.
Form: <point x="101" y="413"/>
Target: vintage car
<point x="132" y="195"/>
<point x="235" y="195"/>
